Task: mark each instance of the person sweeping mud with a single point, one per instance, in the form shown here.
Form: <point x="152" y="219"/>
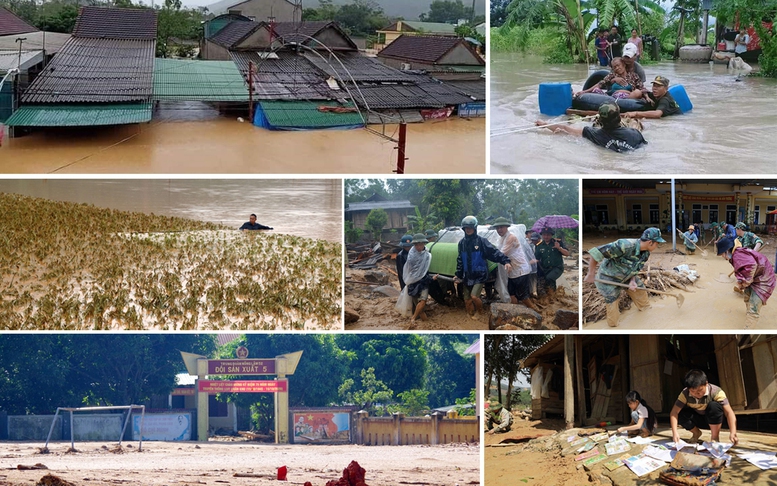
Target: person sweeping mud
<point x="417" y="280"/>
<point x="690" y="239"/>
<point x="620" y="262"/>
<point x="499" y="416"/>
<point x="518" y="284"/>
<point x="472" y="264"/>
<point x="754" y="273"/>
<point x="702" y="405"/>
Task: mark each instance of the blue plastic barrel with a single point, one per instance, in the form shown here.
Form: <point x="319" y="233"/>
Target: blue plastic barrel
<point x="555" y="98"/>
<point x="681" y="97"/>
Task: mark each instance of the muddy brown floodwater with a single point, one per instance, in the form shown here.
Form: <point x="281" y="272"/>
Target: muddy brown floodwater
<point x="238" y="463"/>
<point x="730" y="129"/>
<point x="712" y="305"/>
<point x="301" y="207"/>
<point x="200" y="140"/>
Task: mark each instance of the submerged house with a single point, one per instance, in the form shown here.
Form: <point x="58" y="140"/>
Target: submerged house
<point x="312" y="75"/>
<point x="389" y="34"/>
<point x="103" y="74"/>
<point x="451" y="56"/>
<point x="397" y="213"/>
<point x="606" y="367"/>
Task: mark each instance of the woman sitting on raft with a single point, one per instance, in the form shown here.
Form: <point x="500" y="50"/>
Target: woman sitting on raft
<point x="620" y="84"/>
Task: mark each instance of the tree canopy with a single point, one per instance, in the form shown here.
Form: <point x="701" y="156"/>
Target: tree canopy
<point x="400" y="372"/>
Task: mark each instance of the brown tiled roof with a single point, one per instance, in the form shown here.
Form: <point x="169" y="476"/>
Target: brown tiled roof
<point x="11" y="24"/>
<point x="233" y="32"/>
<point x="116" y="23"/>
<point x="96" y="70"/>
<point x="423" y="48"/>
<point x="300" y="32"/>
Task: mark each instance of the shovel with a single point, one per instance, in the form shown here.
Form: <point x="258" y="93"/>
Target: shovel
<point x="680" y="297"/>
<point x="695" y="247"/>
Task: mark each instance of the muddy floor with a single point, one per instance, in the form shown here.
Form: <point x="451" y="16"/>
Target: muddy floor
<point x="376" y="310"/>
<point x="219" y="463"/>
<point x="224" y="145"/>
<point x="713" y="303"/>
<point x="531" y="454"/>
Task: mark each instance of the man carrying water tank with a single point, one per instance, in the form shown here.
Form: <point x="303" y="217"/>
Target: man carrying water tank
<point x="662" y="101"/>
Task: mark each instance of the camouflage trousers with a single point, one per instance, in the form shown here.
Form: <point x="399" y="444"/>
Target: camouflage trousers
<point x="753" y="304"/>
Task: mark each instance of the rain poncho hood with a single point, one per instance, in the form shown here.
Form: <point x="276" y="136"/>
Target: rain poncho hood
<point x="516" y="247"/>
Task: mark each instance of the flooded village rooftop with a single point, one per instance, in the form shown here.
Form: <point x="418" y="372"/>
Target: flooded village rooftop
<point x="105" y="102"/>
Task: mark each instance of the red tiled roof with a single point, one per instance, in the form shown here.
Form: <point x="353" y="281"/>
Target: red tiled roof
<point x="116" y="23"/>
<point x="11" y="24"/>
<point x="423" y="48"/>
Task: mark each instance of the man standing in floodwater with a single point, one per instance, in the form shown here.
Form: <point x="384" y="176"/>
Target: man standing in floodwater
<point x="251" y="224"/>
<point x="620" y="262"/>
<point x="701" y="405"/>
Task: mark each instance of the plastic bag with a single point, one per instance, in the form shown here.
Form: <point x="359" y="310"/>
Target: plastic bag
<point x="404" y="303"/>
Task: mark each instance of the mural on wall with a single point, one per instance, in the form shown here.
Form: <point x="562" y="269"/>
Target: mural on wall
<point x="322" y="427"/>
<point x="166" y="426"/>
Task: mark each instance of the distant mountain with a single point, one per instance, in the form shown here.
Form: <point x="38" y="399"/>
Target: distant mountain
<point x="407" y="9"/>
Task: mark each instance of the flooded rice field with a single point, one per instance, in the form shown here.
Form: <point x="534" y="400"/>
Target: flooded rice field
<point x="711" y="302"/>
<point x="195" y="138"/>
<point x="309" y="208"/>
<point x="66" y="266"/>
<point x="730" y="129"/>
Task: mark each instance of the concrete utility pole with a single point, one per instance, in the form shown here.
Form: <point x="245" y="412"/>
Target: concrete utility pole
<point x="20" y="40"/>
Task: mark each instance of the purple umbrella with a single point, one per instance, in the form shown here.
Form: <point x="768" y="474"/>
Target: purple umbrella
<point x="555" y="222"/>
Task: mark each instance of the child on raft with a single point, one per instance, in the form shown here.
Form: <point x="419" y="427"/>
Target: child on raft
<point x="643" y="418"/>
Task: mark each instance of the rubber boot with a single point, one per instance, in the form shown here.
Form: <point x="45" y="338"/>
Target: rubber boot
<point x="751" y="320"/>
<point x="528" y="303"/>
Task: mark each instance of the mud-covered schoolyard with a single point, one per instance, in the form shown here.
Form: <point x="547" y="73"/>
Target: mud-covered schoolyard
<point x="236" y="463"/>
<point x="710" y="303"/>
<point x="537" y="452"/>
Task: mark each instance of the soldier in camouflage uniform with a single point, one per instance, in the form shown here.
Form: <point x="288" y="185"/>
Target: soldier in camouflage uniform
<point x="748" y="238"/>
<point x="621" y="261"/>
<point x="754" y="273"/>
<point x="715" y="232"/>
<point x="499" y="416"/>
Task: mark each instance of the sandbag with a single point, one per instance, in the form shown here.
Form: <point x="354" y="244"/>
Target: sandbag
<point x="592" y="102"/>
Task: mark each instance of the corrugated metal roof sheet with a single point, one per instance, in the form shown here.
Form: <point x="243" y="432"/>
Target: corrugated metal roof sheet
<point x="96" y="70"/>
<point x="290" y="77"/>
<point x="430" y="27"/>
<point x="359" y="67"/>
<point x="10" y="59"/>
<point x="305" y="114"/>
<point x="116" y="23"/>
<point x="368" y="206"/>
<point x="300" y="33"/>
<point x="177" y="79"/>
<point x="80" y="115"/>
<point x="11" y="24"/>
<point x="393" y="96"/>
<point x="475" y="89"/>
<point x="443" y="93"/>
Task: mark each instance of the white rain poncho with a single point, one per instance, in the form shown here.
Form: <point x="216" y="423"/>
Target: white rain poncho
<point x="416" y="268"/>
<point x="516" y="247"/>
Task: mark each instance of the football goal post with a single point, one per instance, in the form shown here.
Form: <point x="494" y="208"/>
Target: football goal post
<point x="128" y="408"/>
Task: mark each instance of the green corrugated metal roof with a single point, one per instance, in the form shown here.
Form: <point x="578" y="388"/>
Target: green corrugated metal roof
<point x="82" y="115"/>
<point x="431" y="27"/>
<point x="305" y="114"/>
<point x="178" y="79"/>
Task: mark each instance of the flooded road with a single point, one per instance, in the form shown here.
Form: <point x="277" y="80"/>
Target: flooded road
<point x="712" y="305"/>
<point x="730" y="129"/>
<point x="198" y="139"/>
<point x="301" y="207"/>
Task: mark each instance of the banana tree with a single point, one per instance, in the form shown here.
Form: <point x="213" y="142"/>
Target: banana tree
<point x="578" y="20"/>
